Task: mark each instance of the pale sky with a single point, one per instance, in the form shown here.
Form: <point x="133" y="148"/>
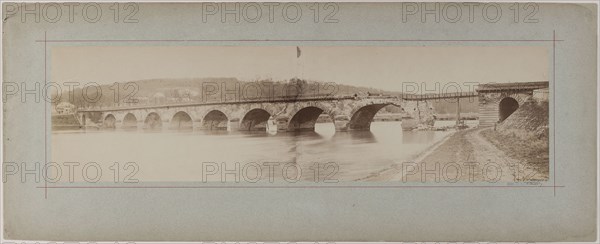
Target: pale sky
<point x="382" y="67"/>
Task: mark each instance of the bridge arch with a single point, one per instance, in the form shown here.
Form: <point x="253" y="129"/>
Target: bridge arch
<point x="181" y="120"/>
<point x="305" y="118"/>
<point x="153" y="121"/>
<point x="130" y="121"/>
<point x="362" y="117"/>
<point x="255" y="120"/>
<point x="215" y="120"/>
<point x="506" y="107"/>
<point x="495" y="107"/>
<point x="110" y="121"/>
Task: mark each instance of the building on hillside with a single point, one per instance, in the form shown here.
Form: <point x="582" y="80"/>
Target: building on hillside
<point x="65" y="108"/>
<point x="159" y="98"/>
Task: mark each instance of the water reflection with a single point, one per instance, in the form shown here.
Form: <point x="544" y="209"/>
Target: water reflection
<point x="176" y="155"/>
<point x="301" y="135"/>
<point x="355" y="137"/>
<point x="182" y="130"/>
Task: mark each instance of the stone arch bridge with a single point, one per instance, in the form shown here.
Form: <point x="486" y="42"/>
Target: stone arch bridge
<point x="496" y="102"/>
<point x="348" y="113"/>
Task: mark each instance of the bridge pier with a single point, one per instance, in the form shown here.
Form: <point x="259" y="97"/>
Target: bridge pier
<point x="197" y="125"/>
<point x="421" y="113"/>
<point x="139" y="125"/>
<point x="233" y="124"/>
<point x="282" y="123"/>
<point x="341" y="126"/>
<point x="341" y="123"/>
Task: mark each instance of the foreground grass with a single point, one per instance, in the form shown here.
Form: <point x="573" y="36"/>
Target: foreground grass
<point x="531" y="149"/>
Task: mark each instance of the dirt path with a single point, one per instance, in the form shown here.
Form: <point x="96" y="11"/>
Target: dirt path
<point x="485" y="153"/>
<point x="465" y="156"/>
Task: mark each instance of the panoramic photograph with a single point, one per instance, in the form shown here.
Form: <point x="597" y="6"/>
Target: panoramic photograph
<point x="315" y="122"/>
<point x="323" y="114"/>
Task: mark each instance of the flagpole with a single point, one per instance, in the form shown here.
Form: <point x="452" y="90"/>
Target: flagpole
<point x="298" y="54"/>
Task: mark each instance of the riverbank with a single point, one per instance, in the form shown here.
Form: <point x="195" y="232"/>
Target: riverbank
<point x="472" y="155"/>
<point x="530" y="149"/>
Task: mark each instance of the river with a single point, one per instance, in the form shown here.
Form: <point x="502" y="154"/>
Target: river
<point x="205" y="155"/>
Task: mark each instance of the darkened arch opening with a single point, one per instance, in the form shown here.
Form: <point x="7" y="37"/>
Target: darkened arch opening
<point x="109" y="122"/>
<point x="507" y="106"/>
<point x="305" y="119"/>
<point x="215" y="120"/>
<point x="153" y="121"/>
<point x="181" y="120"/>
<point x="362" y="118"/>
<point x="129" y="121"/>
<point x="255" y="120"/>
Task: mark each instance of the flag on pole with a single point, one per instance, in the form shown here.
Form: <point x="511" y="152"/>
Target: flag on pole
<point x="298" y="52"/>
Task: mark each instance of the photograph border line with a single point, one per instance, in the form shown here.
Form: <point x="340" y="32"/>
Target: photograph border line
<point x="301" y="40"/>
<point x="553" y="40"/>
<point x="282" y="187"/>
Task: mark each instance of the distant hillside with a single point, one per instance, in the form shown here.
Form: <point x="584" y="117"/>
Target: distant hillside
<point x="164" y="91"/>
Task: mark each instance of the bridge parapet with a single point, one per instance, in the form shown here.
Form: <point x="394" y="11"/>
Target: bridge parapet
<point x="437" y="96"/>
<point x="228" y="102"/>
